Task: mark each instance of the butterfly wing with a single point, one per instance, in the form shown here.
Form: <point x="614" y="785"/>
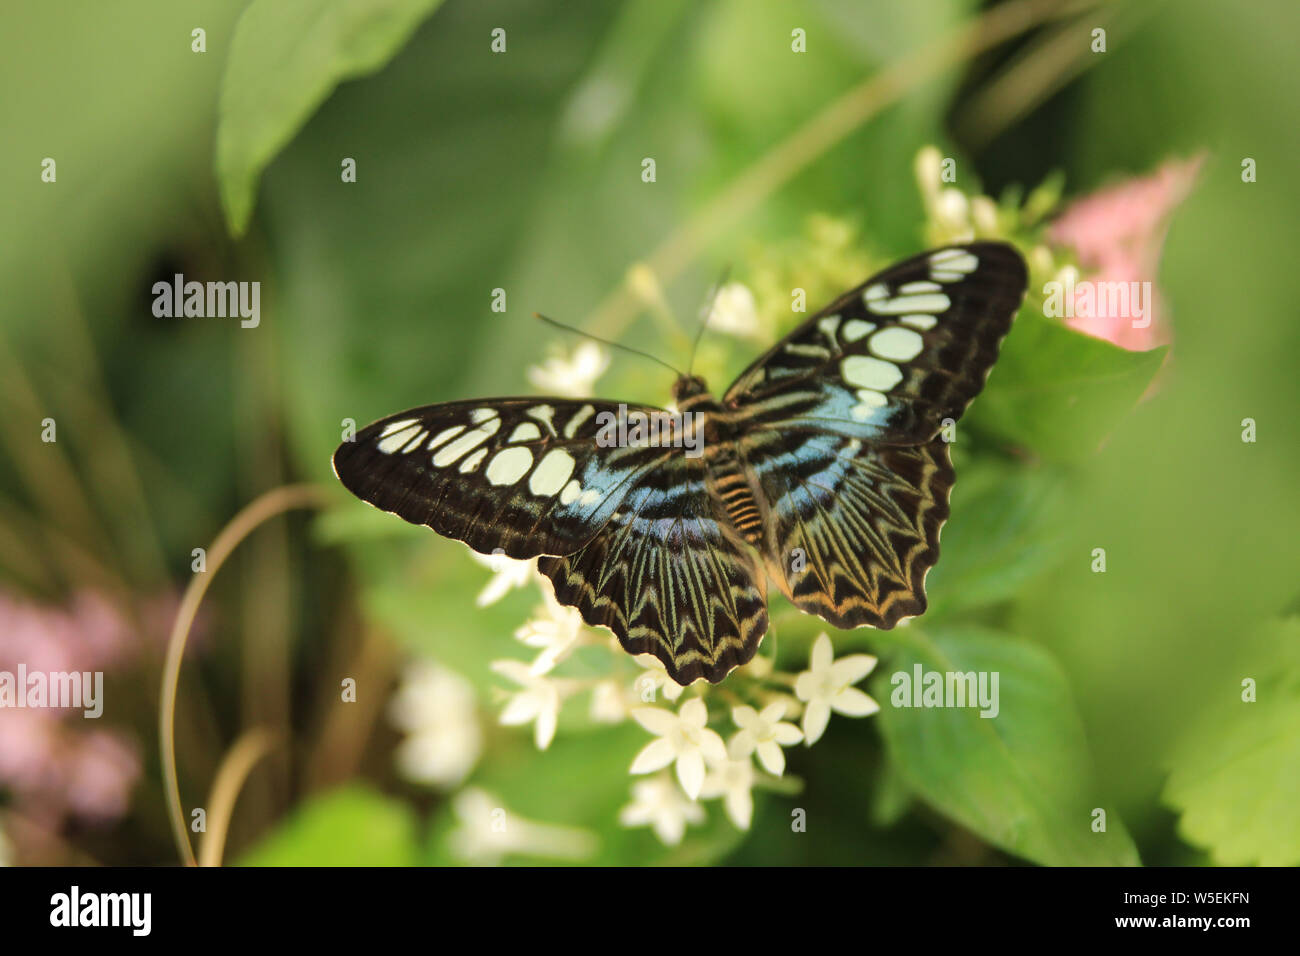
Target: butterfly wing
<point x="529" y="476"/>
<point x="852" y="527"/>
<point x="838" y="430"/>
<point x="842" y="419"/>
<point x="890" y="360"/>
<point x="628" y="533"/>
<point x="668" y="576"/>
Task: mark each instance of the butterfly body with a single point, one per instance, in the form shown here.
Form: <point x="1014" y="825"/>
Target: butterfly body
<point x="822" y="468"/>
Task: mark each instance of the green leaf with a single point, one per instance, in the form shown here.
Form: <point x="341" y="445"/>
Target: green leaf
<point x="1058" y="392"/>
<point x="891" y="799"/>
<point x="351" y="826"/>
<point x="1018" y="779"/>
<point x="424" y="596"/>
<point x="1236" y="779"/>
<point x="1003" y="532"/>
<point x="286" y="57"/>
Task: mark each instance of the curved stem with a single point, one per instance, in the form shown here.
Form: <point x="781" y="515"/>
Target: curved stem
<point x="234" y="770"/>
<point x="267" y="506"/>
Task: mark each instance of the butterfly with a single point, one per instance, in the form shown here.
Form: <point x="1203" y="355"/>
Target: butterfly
<point x="823" y="467"/>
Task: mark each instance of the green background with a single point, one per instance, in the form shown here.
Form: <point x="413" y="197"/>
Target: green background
<point x="522" y="171"/>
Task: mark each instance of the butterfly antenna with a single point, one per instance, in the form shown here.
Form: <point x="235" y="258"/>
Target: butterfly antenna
<point x="704" y="321"/>
<point x="614" y="345"/>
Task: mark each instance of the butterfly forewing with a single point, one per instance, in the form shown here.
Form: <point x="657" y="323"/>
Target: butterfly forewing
<point x="527" y="476"/>
<point x="891" y="359"/>
<point x="842" y="422"/>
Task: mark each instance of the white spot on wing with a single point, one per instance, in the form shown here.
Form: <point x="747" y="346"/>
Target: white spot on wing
<point x="868" y="401"/>
<point x="525" y="432"/>
<point x="472" y="462"/>
<point x="570" y="492"/>
<point x="954" y="260"/>
<point x="551" y="472"/>
<point x="401" y="426"/>
<point x="399" y="439"/>
<point x="466" y="443"/>
<point x="897" y="344"/>
<point x="866" y="372"/>
<point x="925" y="302"/>
<point x="922" y="322"/>
<point x="855" y="329"/>
<point x="812" y="351"/>
<point x="949" y="265"/>
<point x="828" y="325"/>
<point x="580" y="416"/>
<point x="509" y="465"/>
<point x="544" y="414"/>
<point x="447" y="434"/>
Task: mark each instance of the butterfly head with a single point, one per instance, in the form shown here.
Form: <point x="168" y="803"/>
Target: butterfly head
<point x="688" y="389"/>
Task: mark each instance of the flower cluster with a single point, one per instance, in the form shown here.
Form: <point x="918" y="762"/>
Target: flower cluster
<point x="687" y="761"/>
<point x="1114" y="236"/>
<point x="53" y="765"/>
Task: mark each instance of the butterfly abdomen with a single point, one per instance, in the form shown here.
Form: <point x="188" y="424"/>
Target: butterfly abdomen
<point x="731" y="487"/>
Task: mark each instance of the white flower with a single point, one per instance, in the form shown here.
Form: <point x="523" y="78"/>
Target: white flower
<point x="648" y="684"/>
<point x="555" y="629"/>
<point x="928" y="168"/>
<point x="828" y="685"/>
<point x="436" y="707"/>
<point x="684" y="738"/>
<point x="539" y="701"/>
<point x="947" y="208"/>
<point x="734" y="781"/>
<point x="612" y="702"/>
<point x="734" y="311"/>
<point x="659" y="803"/>
<point x="487" y="833"/>
<point x="953" y="209"/>
<point x="764" y="733"/>
<point x="571" y="377"/>
<point x="507" y="574"/>
<point x="984" y="213"/>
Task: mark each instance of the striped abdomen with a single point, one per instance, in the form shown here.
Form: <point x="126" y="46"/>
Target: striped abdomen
<point x="737" y="497"/>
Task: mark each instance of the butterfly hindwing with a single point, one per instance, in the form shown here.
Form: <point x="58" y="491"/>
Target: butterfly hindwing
<point x="669" y="577"/>
<point x="525" y="475"/>
<point x="852" y="527"/>
<point x="891" y="359"/>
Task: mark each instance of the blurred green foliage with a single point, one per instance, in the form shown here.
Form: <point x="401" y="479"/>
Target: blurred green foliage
<point x="521" y="171"/>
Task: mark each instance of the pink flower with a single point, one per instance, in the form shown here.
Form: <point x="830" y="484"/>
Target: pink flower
<point x="53" y="761"/>
<point x="27" y="738"/>
<point x="100" y="773"/>
<point x="1118" y="233"/>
